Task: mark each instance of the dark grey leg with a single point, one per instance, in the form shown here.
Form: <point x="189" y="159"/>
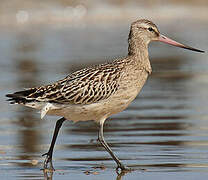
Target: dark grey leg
<point x="49" y="154"/>
<point x="108" y="149"/>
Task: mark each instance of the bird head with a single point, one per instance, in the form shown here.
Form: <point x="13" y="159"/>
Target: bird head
<point x="146" y="31"/>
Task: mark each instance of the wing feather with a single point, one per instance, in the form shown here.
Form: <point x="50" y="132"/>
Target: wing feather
<point x="91" y="86"/>
<point x="86" y="86"/>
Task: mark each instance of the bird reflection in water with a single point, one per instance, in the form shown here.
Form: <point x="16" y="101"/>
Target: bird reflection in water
<point x="48" y="174"/>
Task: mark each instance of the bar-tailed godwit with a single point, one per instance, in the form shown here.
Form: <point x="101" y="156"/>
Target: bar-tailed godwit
<point x="97" y="92"/>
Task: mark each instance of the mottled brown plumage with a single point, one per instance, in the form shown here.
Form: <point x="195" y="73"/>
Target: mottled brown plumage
<point x="97" y="92"/>
<point x="86" y="86"/>
<point x="93" y="84"/>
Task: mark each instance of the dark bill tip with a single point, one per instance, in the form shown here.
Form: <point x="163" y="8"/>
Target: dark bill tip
<point x="192" y="49"/>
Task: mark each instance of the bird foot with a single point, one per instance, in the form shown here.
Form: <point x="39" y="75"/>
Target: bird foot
<point x="47" y="160"/>
<point x="123" y="169"/>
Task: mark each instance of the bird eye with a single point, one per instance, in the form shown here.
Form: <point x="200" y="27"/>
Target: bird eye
<point x="150" y="29"/>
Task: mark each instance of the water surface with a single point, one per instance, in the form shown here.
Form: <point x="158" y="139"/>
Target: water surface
<point x="163" y="132"/>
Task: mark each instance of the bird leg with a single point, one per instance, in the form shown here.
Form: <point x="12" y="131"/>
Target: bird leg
<point x="108" y="149"/>
<point x="49" y="154"/>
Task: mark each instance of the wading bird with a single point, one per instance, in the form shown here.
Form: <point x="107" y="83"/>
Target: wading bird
<point x="97" y="92"/>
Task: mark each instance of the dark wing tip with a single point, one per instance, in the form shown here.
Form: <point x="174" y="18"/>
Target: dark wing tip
<point x="19" y="97"/>
<point x="15" y="99"/>
<point x="10" y="95"/>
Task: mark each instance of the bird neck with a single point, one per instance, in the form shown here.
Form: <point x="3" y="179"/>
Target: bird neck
<point x="138" y="52"/>
<point x="137" y="47"/>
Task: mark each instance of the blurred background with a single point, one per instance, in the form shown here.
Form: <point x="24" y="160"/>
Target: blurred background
<point x="164" y="130"/>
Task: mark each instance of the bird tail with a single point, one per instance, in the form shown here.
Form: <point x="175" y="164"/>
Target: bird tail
<point x="20" y="97"/>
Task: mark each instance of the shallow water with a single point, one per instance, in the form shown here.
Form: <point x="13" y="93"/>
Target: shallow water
<point x="163" y="132"/>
